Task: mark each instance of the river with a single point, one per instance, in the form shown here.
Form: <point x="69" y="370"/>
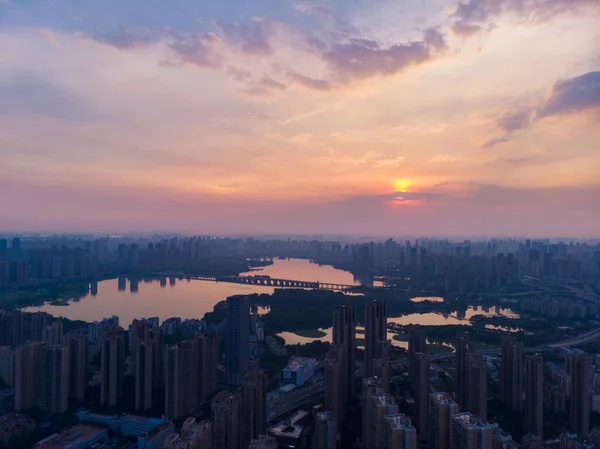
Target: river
<point x="131" y="299"/>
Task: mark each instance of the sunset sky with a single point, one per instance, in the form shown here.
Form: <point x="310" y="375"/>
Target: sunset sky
<point x="371" y="117"/>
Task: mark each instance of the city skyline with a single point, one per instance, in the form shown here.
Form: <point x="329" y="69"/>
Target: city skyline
<point x="374" y="118"/>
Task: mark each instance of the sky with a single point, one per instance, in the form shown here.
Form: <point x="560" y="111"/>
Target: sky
<point x="370" y="117"/>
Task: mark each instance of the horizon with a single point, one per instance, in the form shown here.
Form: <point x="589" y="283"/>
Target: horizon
<point x="327" y="117"/>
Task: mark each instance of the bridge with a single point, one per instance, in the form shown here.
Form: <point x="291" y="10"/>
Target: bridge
<point x="265" y="281"/>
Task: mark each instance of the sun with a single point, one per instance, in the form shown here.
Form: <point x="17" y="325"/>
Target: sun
<point x="403" y="184"/>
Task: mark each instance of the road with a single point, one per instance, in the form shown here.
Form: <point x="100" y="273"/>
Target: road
<point x="287" y="402"/>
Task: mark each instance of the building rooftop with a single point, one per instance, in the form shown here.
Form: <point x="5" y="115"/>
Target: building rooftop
<point x="290" y="427"/>
<point x="72" y="437"/>
<point x="299" y="363"/>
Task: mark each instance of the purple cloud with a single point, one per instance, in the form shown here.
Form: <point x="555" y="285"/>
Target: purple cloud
<point x="125" y="39"/>
<point x="238" y="74"/>
<point x="573" y="95"/>
<point x="471" y="16"/>
<point x="360" y="59"/>
<point x="308" y="82"/>
<point x="253" y="38"/>
<point x="264" y="87"/>
<point x="515" y="121"/>
<point x="199" y="50"/>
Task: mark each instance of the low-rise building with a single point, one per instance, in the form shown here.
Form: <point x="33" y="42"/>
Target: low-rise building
<point x="79" y="437"/>
<point x="299" y="370"/>
<point x="156" y="438"/>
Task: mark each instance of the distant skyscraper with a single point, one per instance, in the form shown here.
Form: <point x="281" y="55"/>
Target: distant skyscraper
<point x="12" y="328"/>
<point x="53" y="333"/>
<point x="477" y="386"/>
<point x="534" y="394"/>
<point x="112" y="359"/>
<point x="181" y="379"/>
<point x="77" y="347"/>
<point x="375" y="331"/>
<point x="225" y="417"/>
<point x="7" y="365"/>
<point x="578" y="367"/>
<point x="421" y="389"/>
<point x="254" y="404"/>
<point x="238" y="338"/>
<point x="28" y="362"/>
<point x="511" y="373"/>
<point x="208" y="346"/>
<point x="463" y="349"/>
<point x="37" y="323"/>
<point x="441" y="408"/>
<point x="325" y="436"/>
<point x="344" y="336"/>
<point x="334" y="387"/>
<point x="143" y="370"/>
<point x="399" y="432"/>
<point x="417" y="343"/>
<point x="55" y="379"/>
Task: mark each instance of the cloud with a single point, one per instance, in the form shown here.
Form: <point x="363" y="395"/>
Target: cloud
<point x="496" y="141"/>
<point x="408" y="196"/>
<point x="360" y="59"/>
<point x="239" y="74"/>
<point x="578" y="94"/>
<point x="253" y="38"/>
<point x="471" y="16"/>
<point x="518" y="120"/>
<point x="443" y="158"/>
<point x="263" y="87"/>
<point x="200" y="50"/>
<point x="124" y="39"/>
<point x="27" y="95"/>
<point x="573" y="95"/>
<point x="308" y="82"/>
<point x="314" y="8"/>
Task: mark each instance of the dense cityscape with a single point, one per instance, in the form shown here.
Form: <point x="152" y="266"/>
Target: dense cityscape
<point x="517" y="369"/>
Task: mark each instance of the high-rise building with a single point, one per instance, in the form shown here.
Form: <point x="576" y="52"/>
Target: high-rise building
<point x="254" y="405"/>
<point x="477" y="386"/>
<point x="382" y="405"/>
<point x="112" y="359"/>
<point x="225" y="417"/>
<point x="325" y="436"/>
<point x="441" y="409"/>
<point x="344" y="336"/>
<point x="77" y="347"/>
<point x="421" y="389"/>
<point x="181" y="379"/>
<point x="334" y="387"/>
<point x="370" y="389"/>
<point x="469" y="433"/>
<point x="54" y="393"/>
<point x="375" y="331"/>
<point x="158" y="358"/>
<point x="534" y="394"/>
<point x="37" y="323"/>
<point x="12" y="328"/>
<point x="417" y="343"/>
<point x="263" y="442"/>
<point x="511" y="373"/>
<point x="53" y="333"/>
<point x="208" y="346"/>
<point x="143" y="371"/>
<point x="7" y="365"/>
<point x="28" y="362"/>
<point x="577" y="365"/>
<point x="382" y="365"/>
<point x="463" y="349"/>
<point x="399" y="432"/>
<point x="238" y="338"/>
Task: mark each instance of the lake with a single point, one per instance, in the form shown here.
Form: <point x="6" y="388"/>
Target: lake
<point x="131" y="299"/>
